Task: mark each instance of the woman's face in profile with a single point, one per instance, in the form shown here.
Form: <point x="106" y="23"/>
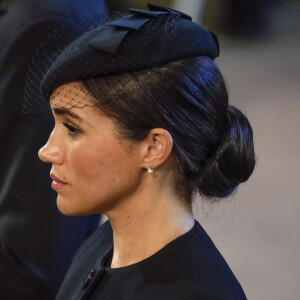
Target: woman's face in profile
<point x="93" y="169"/>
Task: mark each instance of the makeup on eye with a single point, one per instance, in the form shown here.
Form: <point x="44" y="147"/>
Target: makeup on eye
<point x="71" y="129"/>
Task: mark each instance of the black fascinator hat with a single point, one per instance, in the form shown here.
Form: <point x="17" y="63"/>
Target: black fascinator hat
<point x="136" y="41"/>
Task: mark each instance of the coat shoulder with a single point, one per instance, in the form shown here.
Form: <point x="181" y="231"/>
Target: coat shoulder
<point x="206" y="267"/>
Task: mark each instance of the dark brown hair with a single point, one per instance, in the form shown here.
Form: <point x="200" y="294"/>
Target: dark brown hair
<point x="213" y="141"/>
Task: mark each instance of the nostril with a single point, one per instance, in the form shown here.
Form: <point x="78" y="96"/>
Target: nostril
<point x="50" y="153"/>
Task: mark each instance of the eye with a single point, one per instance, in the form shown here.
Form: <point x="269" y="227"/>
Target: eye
<point x="72" y="129"/>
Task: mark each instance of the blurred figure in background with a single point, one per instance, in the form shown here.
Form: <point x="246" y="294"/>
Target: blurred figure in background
<point x="250" y="18"/>
<point x="241" y="19"/>
<point x="37" y="243"/>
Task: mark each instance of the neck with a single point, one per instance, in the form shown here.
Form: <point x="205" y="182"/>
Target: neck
<point x="146" y="223"/>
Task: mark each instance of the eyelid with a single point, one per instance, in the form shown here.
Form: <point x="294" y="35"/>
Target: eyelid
<point x="71" y="128"/>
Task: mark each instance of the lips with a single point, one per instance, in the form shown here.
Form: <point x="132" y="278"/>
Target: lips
<point x="57" y="183"/>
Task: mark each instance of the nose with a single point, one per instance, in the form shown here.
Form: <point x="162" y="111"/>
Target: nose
<point x="50" y="152"/>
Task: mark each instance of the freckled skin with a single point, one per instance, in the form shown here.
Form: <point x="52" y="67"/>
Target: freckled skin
<point x="96" y="165"/>
<point x="106" y="174"/>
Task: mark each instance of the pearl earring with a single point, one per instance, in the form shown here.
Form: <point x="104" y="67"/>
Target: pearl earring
<point x="150" y="170"/>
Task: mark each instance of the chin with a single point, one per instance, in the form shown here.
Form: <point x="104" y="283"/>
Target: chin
<point x="67" y="207"/>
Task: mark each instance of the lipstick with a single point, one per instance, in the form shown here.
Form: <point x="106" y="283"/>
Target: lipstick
<point x="57" y="183"/>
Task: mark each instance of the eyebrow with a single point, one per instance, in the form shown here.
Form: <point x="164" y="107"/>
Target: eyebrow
<point x="63" y="111"/>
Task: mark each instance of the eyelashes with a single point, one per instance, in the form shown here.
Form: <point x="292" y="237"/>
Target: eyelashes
<point x="72" y="130"/>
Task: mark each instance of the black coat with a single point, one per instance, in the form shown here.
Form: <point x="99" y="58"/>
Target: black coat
<point x="37" y="243"/>
<point x="188" y="268"/>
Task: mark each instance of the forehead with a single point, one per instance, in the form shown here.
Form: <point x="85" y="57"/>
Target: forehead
<point x="71" y="95"/>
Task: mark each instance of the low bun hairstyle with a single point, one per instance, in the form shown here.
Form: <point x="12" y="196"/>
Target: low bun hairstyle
<point x="234" y="160"/>
<point x="212" y="141"/>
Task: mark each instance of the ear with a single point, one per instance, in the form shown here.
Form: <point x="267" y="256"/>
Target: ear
<point x="157" y="148"/>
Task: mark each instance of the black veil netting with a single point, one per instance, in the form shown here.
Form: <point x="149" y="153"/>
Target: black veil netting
<point x="122" y="43"/>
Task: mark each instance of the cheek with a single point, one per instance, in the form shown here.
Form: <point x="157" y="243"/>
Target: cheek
<point x="102" y="164"/>
<point x="87" y="165"/>
<point x="99" y="177"/>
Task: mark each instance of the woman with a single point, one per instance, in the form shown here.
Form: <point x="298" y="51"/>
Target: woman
<point x="142" y="123"/>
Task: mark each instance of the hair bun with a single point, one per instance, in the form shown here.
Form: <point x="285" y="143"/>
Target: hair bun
<point x="234" y="160"/>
